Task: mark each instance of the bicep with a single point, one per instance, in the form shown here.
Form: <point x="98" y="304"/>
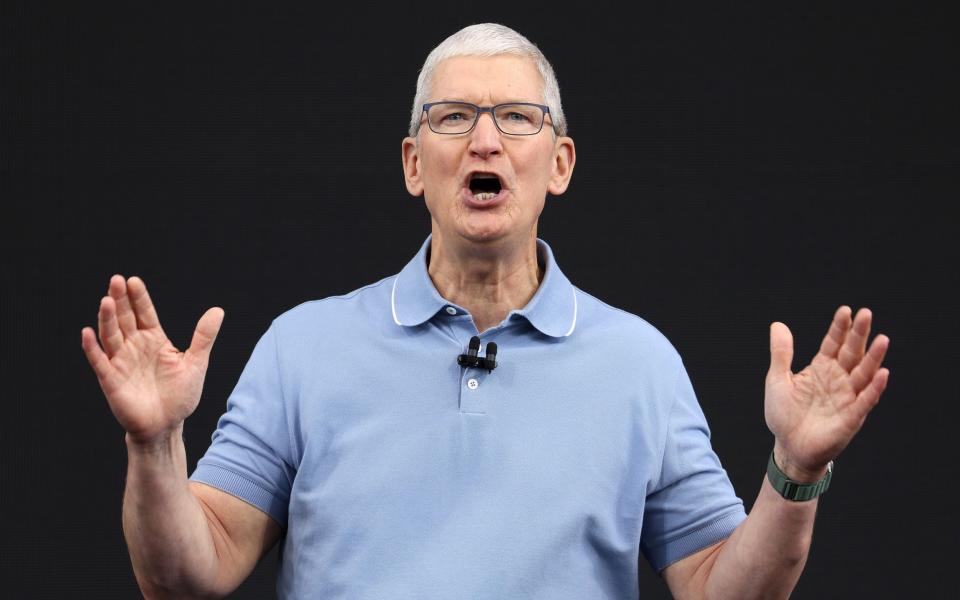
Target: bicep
<point x="241" y="532"/>
<point x="687" y="577"/>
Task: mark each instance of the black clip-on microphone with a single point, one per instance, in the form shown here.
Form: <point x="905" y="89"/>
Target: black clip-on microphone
<point x="471" y="359"/>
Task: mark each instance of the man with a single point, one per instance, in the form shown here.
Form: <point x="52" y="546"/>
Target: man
<point x="390" y="469"/>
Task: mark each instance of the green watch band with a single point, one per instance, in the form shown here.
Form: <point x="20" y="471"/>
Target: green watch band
<point x="794" y="490"/>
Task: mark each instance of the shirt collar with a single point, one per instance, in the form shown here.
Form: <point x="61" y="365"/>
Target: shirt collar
<point x="552" y="310"/>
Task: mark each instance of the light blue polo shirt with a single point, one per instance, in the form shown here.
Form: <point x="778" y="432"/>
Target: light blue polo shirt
<point x="398" y="474"/>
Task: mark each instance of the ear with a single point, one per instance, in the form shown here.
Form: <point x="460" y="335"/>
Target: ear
<point x="411" y="166"/>
<point x="565" y="156"/>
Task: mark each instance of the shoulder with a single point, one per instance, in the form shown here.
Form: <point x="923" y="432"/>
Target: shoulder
<point x="602" y="325"/>
<point x="361" y="308"/>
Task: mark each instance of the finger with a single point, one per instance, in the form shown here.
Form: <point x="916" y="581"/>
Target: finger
<point x="125" y="316"/>
<point x="856" y="341"/>
<point x="110" y="335"/>
<point x="142" y="305"/>
<point x="781" y="350"/>
<point x="870" y="395"/>
<point x="205" y="334"/>
<point x="838" y="331"/>
<point x="863" y="373"/>
<point x="95" y="355"/>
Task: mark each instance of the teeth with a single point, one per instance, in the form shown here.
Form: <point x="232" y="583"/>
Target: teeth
<point x="484" y="196"/>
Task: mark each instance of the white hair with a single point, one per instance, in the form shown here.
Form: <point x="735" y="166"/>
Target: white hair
<point x="488" y="39"/>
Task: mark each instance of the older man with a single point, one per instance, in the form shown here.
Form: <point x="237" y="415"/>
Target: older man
<point x="395" y="458"/>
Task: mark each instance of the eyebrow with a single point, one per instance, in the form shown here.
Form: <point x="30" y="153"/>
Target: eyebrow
<point x="457" y="99"/>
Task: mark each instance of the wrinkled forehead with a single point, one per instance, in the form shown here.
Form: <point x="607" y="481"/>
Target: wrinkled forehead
<point x="487" y="80"/>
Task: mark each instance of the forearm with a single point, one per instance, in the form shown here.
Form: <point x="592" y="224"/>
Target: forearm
<point x="765" y="555"/>
<point x="168" y="536"/>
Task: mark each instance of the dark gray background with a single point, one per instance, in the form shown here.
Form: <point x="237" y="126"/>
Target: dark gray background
<point x="735" y="167"/>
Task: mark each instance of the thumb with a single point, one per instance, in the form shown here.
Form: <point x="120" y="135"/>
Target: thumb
<point x="781" y="350"/>
<point x="205" y="334"/>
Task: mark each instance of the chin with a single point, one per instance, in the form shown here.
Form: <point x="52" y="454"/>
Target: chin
<point x="485" y="228"/>
<point x="482" y="236"/>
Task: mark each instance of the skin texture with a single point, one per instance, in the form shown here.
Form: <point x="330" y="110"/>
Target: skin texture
<point x="188" y="540"/>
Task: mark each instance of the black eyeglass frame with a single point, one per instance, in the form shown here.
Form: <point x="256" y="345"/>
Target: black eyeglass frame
<point x="545" y="110"/>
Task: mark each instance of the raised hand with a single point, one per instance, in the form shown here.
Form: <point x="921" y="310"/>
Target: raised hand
<point x="151" y="386"/>
<point x="815" y="413"/>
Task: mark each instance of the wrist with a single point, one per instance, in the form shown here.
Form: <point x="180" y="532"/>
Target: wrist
<point x="797" y="470"/>
<point x="161" y="444"/>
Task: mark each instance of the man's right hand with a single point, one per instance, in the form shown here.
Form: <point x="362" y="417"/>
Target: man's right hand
<point x="186" y="539"/>
<point x="151" y="386"/>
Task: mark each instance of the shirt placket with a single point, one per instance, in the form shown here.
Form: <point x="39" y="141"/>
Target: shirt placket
<point x="474" y="394"/>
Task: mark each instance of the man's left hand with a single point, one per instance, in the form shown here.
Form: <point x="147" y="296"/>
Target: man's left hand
<point x="815" y="413"/>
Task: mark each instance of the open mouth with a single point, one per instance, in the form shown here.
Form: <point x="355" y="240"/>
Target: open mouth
<point x="485" y="186"/>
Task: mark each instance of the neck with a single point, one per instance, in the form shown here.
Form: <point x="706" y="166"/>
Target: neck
<point x="487" y="280"/>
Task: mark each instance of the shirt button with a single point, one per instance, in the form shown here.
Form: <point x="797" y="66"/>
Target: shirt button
<point x="451" y="310"/>
<point x="473" y="384"/>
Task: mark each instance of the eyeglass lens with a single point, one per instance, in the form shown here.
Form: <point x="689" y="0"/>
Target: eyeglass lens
<point x="455" y="117"/>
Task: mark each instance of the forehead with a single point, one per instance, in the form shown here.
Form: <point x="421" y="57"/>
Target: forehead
<point x="487" y="79"/>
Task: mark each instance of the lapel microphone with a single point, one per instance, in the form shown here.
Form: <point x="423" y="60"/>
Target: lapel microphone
<point x="471" y="358"/>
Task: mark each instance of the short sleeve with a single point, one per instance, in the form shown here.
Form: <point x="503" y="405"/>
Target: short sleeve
<point x="693" y="504"/>
<point x="250" y="456"/>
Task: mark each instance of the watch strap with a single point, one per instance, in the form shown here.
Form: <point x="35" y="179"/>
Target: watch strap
<point x="794" y="490"/>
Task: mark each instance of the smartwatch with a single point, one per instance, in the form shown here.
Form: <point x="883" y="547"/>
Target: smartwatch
<point x="794" y="490"/>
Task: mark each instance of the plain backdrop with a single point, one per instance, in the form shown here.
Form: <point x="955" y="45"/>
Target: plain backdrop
<point x="736" y="166"/>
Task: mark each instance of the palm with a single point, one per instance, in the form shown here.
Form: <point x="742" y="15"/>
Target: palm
<point x="815" y="413"/>
<point x="151" y="386"/>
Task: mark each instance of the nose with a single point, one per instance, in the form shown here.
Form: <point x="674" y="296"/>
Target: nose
<point x="485" y="139"/>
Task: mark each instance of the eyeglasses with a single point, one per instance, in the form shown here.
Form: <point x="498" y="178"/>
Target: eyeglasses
<point x="513" y="118"/>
